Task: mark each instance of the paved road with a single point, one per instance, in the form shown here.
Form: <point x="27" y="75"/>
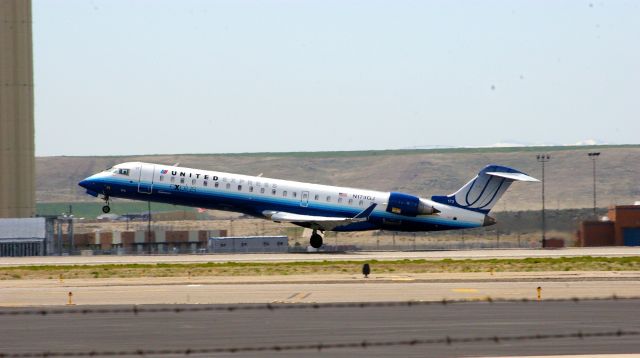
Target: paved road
<point x="360" y="255"/>
<point x="250" y="328"/>
<point x="25" y="293"/>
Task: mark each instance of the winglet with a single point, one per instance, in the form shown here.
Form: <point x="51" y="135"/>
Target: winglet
<point x="366" y="212"/>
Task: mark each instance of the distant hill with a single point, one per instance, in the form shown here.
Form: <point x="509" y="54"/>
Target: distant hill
<point x="423" y="172"/>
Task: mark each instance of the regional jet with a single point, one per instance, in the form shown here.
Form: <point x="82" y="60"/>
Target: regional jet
<point x="318" y="207"/>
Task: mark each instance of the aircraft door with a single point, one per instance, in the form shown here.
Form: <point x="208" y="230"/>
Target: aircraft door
<point x="304" y="199"/>
<point x="145" y="182"/>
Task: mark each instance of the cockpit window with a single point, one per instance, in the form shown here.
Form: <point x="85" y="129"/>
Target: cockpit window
<point x="123" y="171"/>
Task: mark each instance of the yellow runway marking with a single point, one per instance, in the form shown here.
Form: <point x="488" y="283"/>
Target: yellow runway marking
<point x="465" y="290"/>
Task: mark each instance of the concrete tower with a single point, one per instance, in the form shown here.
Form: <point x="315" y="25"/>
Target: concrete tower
<point x="17" y="154"/>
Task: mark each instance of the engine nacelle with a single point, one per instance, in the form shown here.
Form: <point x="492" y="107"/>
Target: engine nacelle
<point x="409" y="205"/>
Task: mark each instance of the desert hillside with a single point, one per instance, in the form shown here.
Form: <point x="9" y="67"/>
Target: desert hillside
<point x="422" y="172"/>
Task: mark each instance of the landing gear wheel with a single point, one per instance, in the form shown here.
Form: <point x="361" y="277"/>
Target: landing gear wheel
<point x="106" y="209"/>
<point x="316" y="240"/>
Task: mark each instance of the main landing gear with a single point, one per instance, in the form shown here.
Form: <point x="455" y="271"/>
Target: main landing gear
<point x="106" y="209"/>
<point x="316" y="240"/>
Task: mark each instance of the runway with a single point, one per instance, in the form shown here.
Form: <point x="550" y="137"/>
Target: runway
<point x="348" y="256"/>
<point x="129" y="332"/>
<point x="21" y="293"/>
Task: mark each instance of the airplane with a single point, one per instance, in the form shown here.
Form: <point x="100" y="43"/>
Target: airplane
<point x="317" y="207"/>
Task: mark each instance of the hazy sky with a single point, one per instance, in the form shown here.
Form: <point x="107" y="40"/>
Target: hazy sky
<point x="144" y="77"/>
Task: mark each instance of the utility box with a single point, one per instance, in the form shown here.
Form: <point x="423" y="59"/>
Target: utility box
<point x="248" y="244"/>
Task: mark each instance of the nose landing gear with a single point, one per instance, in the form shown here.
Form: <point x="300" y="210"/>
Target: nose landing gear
<point x="316" y="240"/>
<point x="106" y="209"/>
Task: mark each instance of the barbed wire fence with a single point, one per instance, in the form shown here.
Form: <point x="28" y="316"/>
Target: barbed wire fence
<point x="136" y="309"/>
<point x="326" y="346"/>
<point x="363" y="344"/>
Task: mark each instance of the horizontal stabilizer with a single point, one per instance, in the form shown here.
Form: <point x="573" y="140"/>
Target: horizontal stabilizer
<point x="513" y="176"/>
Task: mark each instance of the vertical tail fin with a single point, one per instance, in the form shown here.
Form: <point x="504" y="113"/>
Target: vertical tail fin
<point x="483" y="192"/>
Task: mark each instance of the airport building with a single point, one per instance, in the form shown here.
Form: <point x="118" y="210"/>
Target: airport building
<point x="621" y="227"/>
<point x="247" y="244"/>
<point x="143" y="242"/>
<point x="23" y="237"/>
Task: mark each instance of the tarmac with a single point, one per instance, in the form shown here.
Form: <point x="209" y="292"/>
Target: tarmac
<point x="408" y="331"/>
<point x="322" y="256"/>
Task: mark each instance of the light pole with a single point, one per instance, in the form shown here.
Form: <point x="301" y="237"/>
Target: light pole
<point x="594" y="156"/>
<point x="543" y="158"/>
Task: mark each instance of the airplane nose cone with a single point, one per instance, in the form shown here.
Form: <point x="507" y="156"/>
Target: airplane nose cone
<point x="488" y="221"/>
<point x="84" y="183"/>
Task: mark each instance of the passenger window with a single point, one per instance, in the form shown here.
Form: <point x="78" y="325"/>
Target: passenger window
<point x="317" y="197"/>
<point x="251" y="189"/>
<point x="273" y="191"/>
<point x="295" y="195"/>
<point x="204" y="183"/>
<point x="339" y="200"/>
<point x="193" y="182"/>
<point x="173" y="179"/>
<point x="228" y="185"/>
<point x="181" y="180"/>
<point x="361" y="203"/>
<point x="162" y="178"/>
<point x="350" y="201"/>
<point x="216" y="184"/>
<point x="284" y="193"/>
<point x="239" y="187"/>
<point x="261" y="190"/>
<point x="328" y="198"/>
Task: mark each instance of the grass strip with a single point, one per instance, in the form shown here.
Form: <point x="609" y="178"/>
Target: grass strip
<point x="584" y="263"/>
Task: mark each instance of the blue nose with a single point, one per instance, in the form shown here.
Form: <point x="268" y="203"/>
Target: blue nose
<point x="85" y="183"/>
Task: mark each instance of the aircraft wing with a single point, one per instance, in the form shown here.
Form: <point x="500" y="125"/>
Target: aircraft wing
<point x="324" y="223"/>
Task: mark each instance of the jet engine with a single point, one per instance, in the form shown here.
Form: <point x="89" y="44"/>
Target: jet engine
<point x="409" y="205"/>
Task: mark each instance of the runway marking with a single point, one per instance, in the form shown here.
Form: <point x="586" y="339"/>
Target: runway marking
<point x="194" y="285"/>
<point x="465" y="290"/>
<point x="294" y="298"/>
